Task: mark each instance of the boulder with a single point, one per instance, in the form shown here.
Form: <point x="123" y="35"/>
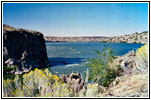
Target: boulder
<point x="75" y="81"/>
<point x="24" y="49"/>
<point x="126" y="62"/>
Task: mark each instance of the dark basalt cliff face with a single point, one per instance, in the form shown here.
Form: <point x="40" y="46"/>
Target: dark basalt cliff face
<point x="23" y="49"/>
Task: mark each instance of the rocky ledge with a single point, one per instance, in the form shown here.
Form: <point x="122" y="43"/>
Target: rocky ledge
<point x="23" y="49"/>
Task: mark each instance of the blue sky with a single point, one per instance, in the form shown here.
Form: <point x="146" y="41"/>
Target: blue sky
<point x="78" y="19"/>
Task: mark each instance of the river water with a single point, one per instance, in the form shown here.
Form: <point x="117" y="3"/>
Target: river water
<point x="67" y="57"/>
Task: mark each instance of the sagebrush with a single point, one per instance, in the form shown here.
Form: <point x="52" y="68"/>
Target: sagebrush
<point x="142" y="59"/>
<point x="36" y="83"/>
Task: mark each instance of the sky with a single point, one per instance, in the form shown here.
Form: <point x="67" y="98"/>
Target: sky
<point x="78" y="19"/>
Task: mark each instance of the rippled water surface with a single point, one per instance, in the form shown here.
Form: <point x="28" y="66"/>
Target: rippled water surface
<point x="67" y="57"/>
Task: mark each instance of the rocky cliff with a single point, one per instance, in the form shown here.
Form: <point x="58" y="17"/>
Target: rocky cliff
<point x="24" y="49"/>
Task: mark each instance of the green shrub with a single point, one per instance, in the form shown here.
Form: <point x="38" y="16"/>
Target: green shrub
<point x="123" y="42"/>
<point x="100" y="71"/>
<point x="8" y="69"/>
<point x="103" y="41"/>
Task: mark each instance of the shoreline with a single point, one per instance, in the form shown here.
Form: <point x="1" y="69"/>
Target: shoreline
<point x="129" y="38"/>
<point x="88" y="42"/>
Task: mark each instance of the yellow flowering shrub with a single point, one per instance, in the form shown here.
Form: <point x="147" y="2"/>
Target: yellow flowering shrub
<point x="142" y="59"/>
<point x="8" y="88"/>
<point x="62" y="90"/>
<point x="36" y="83"/>
<point x="92" y="90"/>
<point x="39" y="83"/>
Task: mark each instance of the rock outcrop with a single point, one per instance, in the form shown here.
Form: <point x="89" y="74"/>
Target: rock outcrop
<point x="24" y="49"/>
<point x="130" y="38"/>
<point x="126" y="62"/>
<point x="75" y="81"/>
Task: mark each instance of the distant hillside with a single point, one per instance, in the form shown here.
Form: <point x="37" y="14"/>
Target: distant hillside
<point x="130" y="38"/>
<point x="75" y="39"/>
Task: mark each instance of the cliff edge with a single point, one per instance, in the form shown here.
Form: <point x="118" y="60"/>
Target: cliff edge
<point x="23" y="49"/>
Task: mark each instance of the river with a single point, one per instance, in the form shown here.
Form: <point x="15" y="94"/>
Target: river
<point x="67" y="57"/>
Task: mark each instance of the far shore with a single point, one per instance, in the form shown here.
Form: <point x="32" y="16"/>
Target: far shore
<point x="89" y="41"/>
<point x="141" y="38"/>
